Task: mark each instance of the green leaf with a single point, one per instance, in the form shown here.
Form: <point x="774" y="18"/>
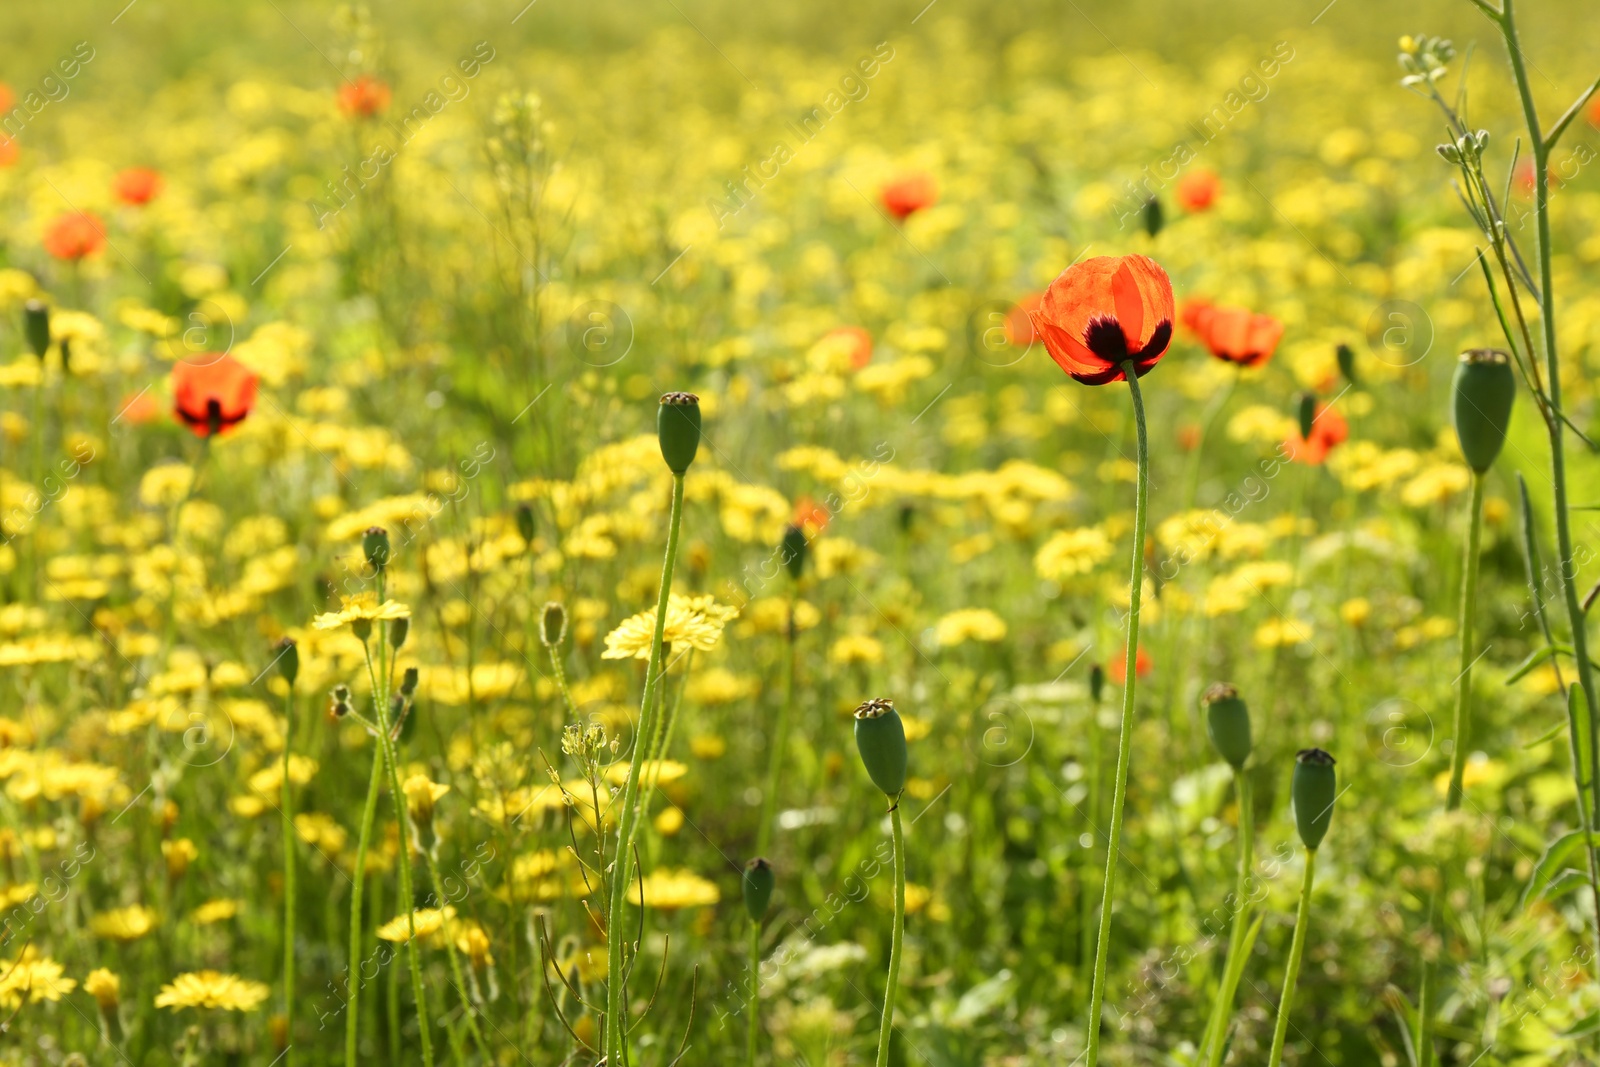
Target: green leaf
<point x="1536" y="657"/>
<point x="1549" y="735"/>
<point x="1553" y="862"/>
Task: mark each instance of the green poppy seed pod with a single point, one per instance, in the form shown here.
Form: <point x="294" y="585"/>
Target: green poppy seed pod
<point x="1307" y="414"/>
<point x="1347" y="363"/>
<point x="1314" y="789"/>
<point x="793" y="551"/>
<point x="758" y="884"/>
<point x="1228" y="723"/>
<point x="525" y="524"/>
<point x="1484" y="388"/>
<point x="553" y="624"/>
<point x="1153" y="216"/>
<point x="36" y="324"/>
<point x="399" y="630"/>
<point x="881" y="740"/>
<point x="678" y="427"/>
<point x="375" y="543"/>
<point x="1097" y="682"/>
<point x="288" y="660"/>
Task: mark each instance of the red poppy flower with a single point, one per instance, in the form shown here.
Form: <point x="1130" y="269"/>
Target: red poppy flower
<point x="1104" y="312"/>
<point x="811" y="516"/>
<point x="7" y="97"/>
<point x="1594" y="110"/>
<point x="1197" y="190"/>
<point x="75" y="235"/>
<point x="212" y="396"/>
<point x="1019" y="321"/>
<point x="364" y="97"/>
<point x="909" y="194"/>
<point x="1328" y="429"/>
<point x="8" y="151"/>
<point x="136" y="185"/>
<point x="1192" y="314"/>
<point x="854" y="340"/>
<point x="1117" y="669"/>
<point x="1188" y="437"/>
<point x="1234" y="335"/>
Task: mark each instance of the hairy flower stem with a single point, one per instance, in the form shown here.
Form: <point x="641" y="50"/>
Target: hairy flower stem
<point x="407" y="897"/>
<point x="753" y="1009"/>
<point x="628" y="819"/>
<point x="1297" y="949"/>
<point x="780" y="741"/>
<point x="1125" y="734"/>
<point x="1222" y="1010"/>
<point x="467" y="1007"/>
<point x="353" y="968"/>
<point x="896" y="936"/>
<point x="288" y="880"/>
<point x="1460" y="732"/>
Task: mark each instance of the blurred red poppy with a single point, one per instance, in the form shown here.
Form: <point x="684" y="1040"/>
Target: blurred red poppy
<point x="1235" y="335"/>
<point x="1594" y="110"/>
<point x="1019" y="321"/>
<point x="8" y="151"/>
<point x="854" y="340"/>
<point x="75" y="235"/>
<point x="138" y="409"/>
<point x="1188" y="437"/>
<point x="908" y="194"/>
<point x="1328" y="429"/>
<point x="811" y="516"/>
<point x="136" y="185"/>
<point x="1192" y="313"/>
<point x="1198" y="190"/>
<point x="1104" y="312"/>
<point x="212" y="395"/>
<point x="364" y="97"/>
<point x="1117" y="669"/>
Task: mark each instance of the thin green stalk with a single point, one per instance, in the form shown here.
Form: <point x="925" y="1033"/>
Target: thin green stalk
<point x="896" y="937"/>
<point x="1461" y="731"/>
<point x="288" y="880"/>
<point x="1222" y="1010"/>
<point x="753" y="1009"/>
<point x="1297" y="949"/>
<point x="1125" y="734"/>
<point x="455" y="959"/>
<point x="780" y="742"/>
<point x="353" y="969"/>
<point x="407" y="898"/>
<point x="628" y="820"/>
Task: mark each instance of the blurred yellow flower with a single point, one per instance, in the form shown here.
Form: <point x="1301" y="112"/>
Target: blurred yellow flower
<point x="212" y="989"/>
<point x="969" y="624"/>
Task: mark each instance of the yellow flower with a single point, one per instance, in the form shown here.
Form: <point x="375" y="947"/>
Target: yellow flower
<point x="696" y="622"/>
<point x="31" y="978"/>
<point x="1276" y="632"/>
<point x="363" y="607"/>
<point x="421" y="792"/>
<point x="659" y="771"/>
<point x="214" y="911"/>
<point x="669" y="890"/>
<point x="1436" y="484"/>
<point x="1070" y="552"/>
<point x="969" y="624"/>
<point x="856" y="648"/>
<point x="104" y="987"/>
<point x="124" y="924"/>
<point x="1355" y="611"/>
<point x="713" y="687"/>
<point x="165" y="485"/>
<point x="179" y="854"/>
<point x="212" y="989"/>
<point x="426" y="921"/>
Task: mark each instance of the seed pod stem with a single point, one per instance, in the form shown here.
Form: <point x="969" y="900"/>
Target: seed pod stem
<point x="1297" y="949"/>
<point x="886" y="1023"/>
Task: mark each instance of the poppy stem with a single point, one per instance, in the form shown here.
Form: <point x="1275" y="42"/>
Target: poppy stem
<point x="628" y="819"/>
<point x="288" y="880"/>
<point x="896" y="937"/>
<point x="1297" y="950"/>
<point x="753" y="1023"/>
<point x="1222" y="1010"/>
<point x="1458" y="756"/>
<point x="1125" y="733"/>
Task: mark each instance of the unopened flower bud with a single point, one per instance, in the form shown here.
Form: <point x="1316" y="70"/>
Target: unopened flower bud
<point x="525" y="524"/>
<point x="339" y="701"/>
<point x="678" y="429"/>
<point x="793" y="550"/>
<point x="1315" y="788"/>
<point x="288" y="660"/>
<point x="1483" y="389"/>
<point x="375" y="543"/>
<point x="399" y="630"/>
<point x="758" y="885"/>
<point x="1228" y="723"/>
<point x="881" y="740"/>
<point x="408" y="682"/>
<point x="553" y="624"/>
<point x="36" y="324"/>
<point x="1097" y="682"/>
<point x="1152" y="216"/>
<point x="1347" y="363"/>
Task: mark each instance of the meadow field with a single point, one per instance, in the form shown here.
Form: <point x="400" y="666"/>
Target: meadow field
<point x="668" y="534"/>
